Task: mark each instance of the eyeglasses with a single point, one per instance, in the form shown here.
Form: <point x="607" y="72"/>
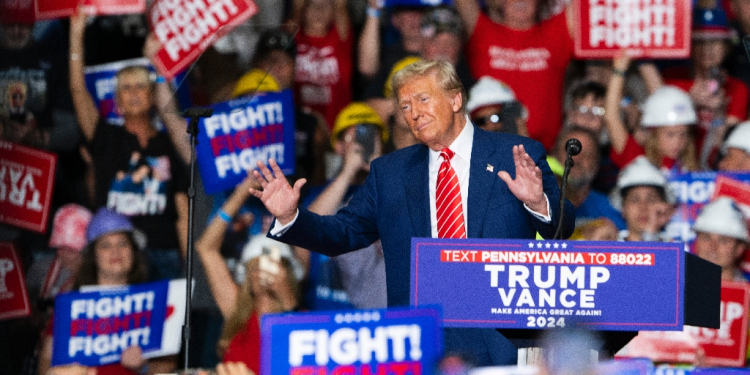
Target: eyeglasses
<point x="596" y="111"/>
<point x="486" y="120"/>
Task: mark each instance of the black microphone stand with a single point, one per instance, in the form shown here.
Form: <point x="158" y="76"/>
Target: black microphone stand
<point x="572" y="148"/>
<point x="194" y="114"/>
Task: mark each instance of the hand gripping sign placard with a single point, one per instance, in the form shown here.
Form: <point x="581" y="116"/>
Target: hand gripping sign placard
<point x="14" y="299"/>
<point x="544" y="284"/>
<point x="186" y="28"/>
<point x="92" y="328"/>
<point x="392" y="341"/>
<point x="27" y="177"/>
<point x="240" y="133"/>
<point x="647" y="28"/>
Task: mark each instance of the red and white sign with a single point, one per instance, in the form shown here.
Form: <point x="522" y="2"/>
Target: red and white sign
<point x="725" y="347"/>
<point x="14" y="301"/>
<point x="647" y="28"/>
<point x="47" y="9"/>
<point x="737" y="190"/>
<point x="27" y="176"/>
<point x="186" y="28"/>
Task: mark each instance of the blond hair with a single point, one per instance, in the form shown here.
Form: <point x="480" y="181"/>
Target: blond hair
<point x="687" y="159"/>
<point x="444" y="72"/>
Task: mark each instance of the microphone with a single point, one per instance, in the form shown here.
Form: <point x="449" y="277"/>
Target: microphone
<point x="199" y="112"/>
<point x="572" y="147"/>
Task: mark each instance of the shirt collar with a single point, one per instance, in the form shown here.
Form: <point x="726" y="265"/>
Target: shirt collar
<point x="462" y="145"/>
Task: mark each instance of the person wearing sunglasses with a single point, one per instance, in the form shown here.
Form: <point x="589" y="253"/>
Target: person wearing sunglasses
<point x="492" y="106"/>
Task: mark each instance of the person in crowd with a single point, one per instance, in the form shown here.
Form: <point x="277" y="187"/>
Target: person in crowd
<point x="644" y="200"/>
<point x="273" y="70"/>
<point x="737" y="62"/>
<point x="492" y="106"/>
<point x="736" y="149"/>
<point x="431" y="99"/>
<point x="374" y="54"/>
<point x="589" y="204"/>
<point x="112" y="257"/>
<point x="720" y="100"/>
<point x="531" y="57"/>
<point x="268" y="279"/>
<point x="138" y="170"/>
<point x="356" y="279"/>
<point x="443" y="40"/>
<point x="721" y="237"/>
<point x="668" y="114"/>
<point x="324" y="69"/>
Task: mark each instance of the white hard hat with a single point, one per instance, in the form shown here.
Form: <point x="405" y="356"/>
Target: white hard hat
<point x="722" y="217"/>
<point x="640" y="172"/>
<point x="739" y="138"/>
<point x="255" y="247"/>
<point x="668" y="106"/>
<point x="488" y="91"/>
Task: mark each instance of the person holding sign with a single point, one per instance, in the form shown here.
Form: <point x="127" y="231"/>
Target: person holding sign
<point x="138" y="170"/>
<point x="722" y="237"/>
<point x="500" y="184"/>
<point x="269" y="283"/>
<point x="112" y="258"/>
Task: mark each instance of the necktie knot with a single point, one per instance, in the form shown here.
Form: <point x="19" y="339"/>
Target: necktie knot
<point x="447" y="154"/>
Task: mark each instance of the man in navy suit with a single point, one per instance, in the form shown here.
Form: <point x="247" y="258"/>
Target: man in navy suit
<point x="397" y="201"/>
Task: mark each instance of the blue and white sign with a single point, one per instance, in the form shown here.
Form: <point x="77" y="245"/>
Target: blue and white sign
<point x="493" y="283"/>
<point x="93" y="328"/>
<point x="240" y="133"/>
<point x="392" y="341"/>
<point x="101" y="83"/>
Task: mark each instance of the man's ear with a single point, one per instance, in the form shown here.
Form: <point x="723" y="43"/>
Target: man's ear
<point x="457" y="101"/>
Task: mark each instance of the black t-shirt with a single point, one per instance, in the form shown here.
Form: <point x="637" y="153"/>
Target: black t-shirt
<point x="140" y="183"/>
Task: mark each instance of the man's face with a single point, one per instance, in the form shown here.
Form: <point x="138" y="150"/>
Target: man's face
<point x="444" y="47"/>
<point x="432" y="113"/>
<point x="723" y="251"/>
<point x="586" y="162"/>
<point x="488" y="118"/>
<point x="588" y="113"/>
<point x="134" y="95"/>
<point x="736" y="160"/>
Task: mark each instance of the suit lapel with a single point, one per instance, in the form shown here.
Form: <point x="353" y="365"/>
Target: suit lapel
<point x="481" y="182"/>
<point x="416" y="182"/>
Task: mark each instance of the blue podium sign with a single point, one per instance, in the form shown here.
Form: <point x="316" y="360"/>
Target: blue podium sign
<point x="392" y="341"/>
<point x="493" y="283"/>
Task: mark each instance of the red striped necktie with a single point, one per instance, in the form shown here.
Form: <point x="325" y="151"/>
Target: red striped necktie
<point x="450" y="213"/>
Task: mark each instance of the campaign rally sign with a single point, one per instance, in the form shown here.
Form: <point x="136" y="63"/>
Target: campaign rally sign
<point x="47" y="9"/>
<point x="27" y="177"/>
<point x="529" y="284"/>
<point x="693" y="190"/>
<point x="726" y="346"/>
<point x="240" y="133"/>
<point x="186" y="28"/>
<point x="101" y="82"/>
<point x="14" y="300"/>
<point x="391" y="341"/>
<point x="94" y="327"/>
<point x="646" y="28"/>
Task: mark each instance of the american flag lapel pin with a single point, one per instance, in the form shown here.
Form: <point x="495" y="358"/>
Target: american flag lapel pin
<point x="490" y="168"/>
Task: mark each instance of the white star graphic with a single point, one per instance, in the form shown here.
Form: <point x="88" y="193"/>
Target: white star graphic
<point x="556" y="245"/>
<point x="547" y="245"/>
<point x="539" y="245"/>
<point x="531" y="245"/>
<point x="564" y="245"/>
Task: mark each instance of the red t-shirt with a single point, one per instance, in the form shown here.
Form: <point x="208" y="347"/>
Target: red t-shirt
<point x="532" y="62"/>
<point x="245" y="345"/>
<point x="633" y="150"/>
<point x="323" y="75"/>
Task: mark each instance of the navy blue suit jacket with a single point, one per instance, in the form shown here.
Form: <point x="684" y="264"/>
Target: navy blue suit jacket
<point x="393" y="206"/>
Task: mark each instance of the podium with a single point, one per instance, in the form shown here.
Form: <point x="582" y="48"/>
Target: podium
<point x="524" y="287"/>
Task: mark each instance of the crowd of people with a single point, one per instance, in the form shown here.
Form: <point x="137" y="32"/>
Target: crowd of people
<point x="121" y="191"/>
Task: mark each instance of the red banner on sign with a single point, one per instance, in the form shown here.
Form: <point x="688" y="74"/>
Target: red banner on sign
<point x="27" y="176"/>
<point x="46" y="9"/>
<point x="725" y="347"/>
<point x="647" y="28"/>
<point x="186" y="28"/>
<point x="14" y="301"/>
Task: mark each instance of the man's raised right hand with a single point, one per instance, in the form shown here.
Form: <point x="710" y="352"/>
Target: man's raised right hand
<point x="280" y="198"/>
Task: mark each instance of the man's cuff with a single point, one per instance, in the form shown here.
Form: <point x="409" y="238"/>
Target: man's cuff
<point x="279" y="229"/>
<point x="545" y="218"/>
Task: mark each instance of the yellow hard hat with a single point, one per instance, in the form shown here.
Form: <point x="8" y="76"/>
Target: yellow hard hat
<point x="388" y="89"/>
<point x="354" y="114"/>
<point x="255" y="81"/>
